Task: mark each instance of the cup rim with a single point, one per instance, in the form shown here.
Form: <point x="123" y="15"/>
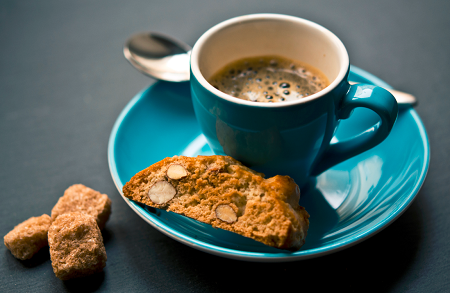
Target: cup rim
<point x="252" y="17"/>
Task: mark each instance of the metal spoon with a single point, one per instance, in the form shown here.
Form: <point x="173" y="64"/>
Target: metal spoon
<point x="158" y="56"/>
<point x="165" y="58"/>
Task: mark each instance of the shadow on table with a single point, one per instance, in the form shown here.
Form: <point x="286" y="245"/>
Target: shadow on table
<point x="85" y="284"/>
<point x="42" y="256"/>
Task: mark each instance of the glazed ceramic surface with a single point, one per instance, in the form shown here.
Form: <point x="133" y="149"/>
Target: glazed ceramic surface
<point x="348" y="203"/>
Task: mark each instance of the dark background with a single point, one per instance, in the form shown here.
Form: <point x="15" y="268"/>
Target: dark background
<point x="64" y="81"/>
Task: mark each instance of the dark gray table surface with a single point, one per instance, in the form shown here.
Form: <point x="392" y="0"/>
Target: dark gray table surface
<point x="64" y="81"/>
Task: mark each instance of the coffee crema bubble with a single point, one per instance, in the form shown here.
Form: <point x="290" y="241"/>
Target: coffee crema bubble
<point x="269" y="79"/>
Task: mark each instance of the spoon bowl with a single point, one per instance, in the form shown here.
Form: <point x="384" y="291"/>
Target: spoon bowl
<point x="158" y="56"/>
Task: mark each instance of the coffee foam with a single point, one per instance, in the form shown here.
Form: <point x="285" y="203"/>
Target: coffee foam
<point x="269" y="79"/>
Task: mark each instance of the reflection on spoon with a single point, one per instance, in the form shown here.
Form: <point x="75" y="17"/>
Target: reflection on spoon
<point x="158" y="56"/>
<point x="165" y="58"/>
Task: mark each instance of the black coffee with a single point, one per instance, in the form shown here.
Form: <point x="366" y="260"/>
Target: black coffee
<point x="269" y="79"/>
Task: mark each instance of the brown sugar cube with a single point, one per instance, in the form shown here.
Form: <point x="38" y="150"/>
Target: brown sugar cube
<point x="28" y="237"/>
<point x="79" y="198"/>
<point x="76" y="246"/>
<point x="222" y="192"/>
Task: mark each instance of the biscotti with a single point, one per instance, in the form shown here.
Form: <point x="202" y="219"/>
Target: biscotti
<point x="220" y="191"/>
<point x="79" y="198"/>
<point x="76" y="246"/>
<point x="27" y="238"/>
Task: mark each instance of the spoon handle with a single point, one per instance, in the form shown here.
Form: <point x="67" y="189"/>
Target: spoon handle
<point x="401" y="97"/>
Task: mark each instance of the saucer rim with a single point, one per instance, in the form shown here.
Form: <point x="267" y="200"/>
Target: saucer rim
<point x="267" y="256"/>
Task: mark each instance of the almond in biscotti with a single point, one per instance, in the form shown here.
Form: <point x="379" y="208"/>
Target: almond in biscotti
<point x="161" y="192"/>
<point x="176" y="172"/>
<point x="222" y="192"/>
<point x="226" y="213"/>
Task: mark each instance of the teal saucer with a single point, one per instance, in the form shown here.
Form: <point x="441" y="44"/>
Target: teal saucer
<point x="348" y="203"/>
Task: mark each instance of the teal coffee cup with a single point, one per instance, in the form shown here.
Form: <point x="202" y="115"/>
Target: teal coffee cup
<point x="292" y="138"/>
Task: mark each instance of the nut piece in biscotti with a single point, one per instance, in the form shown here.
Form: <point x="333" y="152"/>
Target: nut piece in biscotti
<point x="79" y="198"/>
<point x="76" y="246"/>
<point x="220" y="191"/>
<point x="28" y="237"/>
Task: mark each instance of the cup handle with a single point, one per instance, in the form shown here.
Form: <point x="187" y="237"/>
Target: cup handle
<point x="368" y="96"/>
